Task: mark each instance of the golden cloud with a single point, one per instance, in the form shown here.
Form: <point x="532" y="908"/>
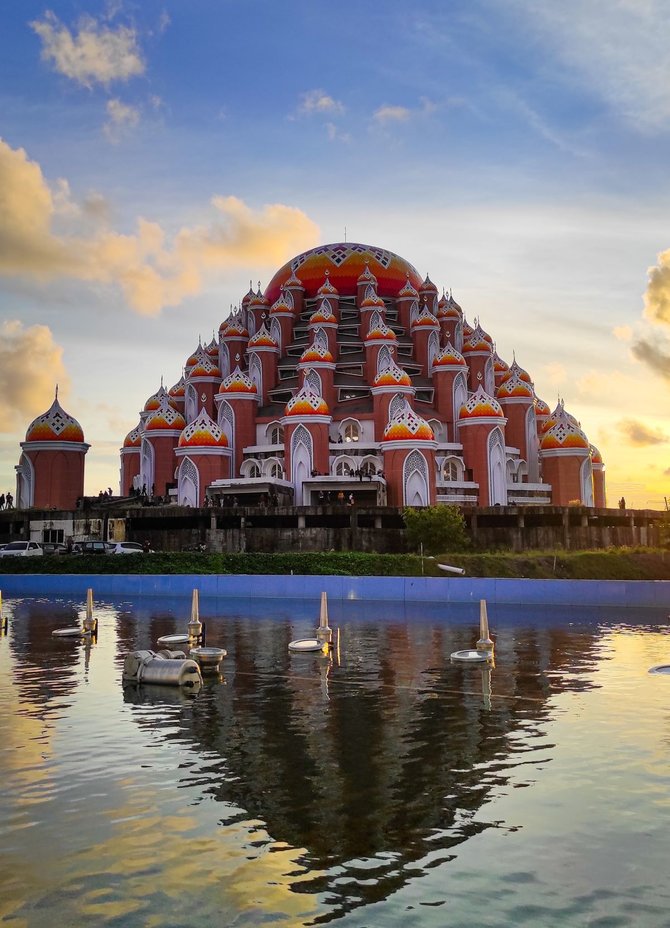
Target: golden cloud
<point x="657" y="295"/>
<point x="92" y="53"/>
<point x="31" y="363"/>
<point x="641" y="435"/>
<point x="151" y="272"/>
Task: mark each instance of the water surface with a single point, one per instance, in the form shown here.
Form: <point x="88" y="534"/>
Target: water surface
<point x="386" y="786"/>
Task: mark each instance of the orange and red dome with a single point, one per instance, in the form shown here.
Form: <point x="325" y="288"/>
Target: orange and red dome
<point x="449" y="357"/>
<point x="480" y="405"/>
<point x="238" y="382"/>
<point x="165" y="417"/>
<point x="345" y="262"/>
<point x="306" y="403"/>
<point x="55" y="425"/>
<point x="407" y="425"/>
<point x="134" y="437"/>
<point x="203" y="432"/>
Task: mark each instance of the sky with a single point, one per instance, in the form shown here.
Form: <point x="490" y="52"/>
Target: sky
<point x="156" y="156"/>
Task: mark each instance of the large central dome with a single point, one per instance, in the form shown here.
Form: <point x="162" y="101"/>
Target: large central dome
<point x="345" y="262"/>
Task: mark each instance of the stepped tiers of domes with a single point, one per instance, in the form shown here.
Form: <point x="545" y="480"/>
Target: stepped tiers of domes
<point x="352" y="375"/>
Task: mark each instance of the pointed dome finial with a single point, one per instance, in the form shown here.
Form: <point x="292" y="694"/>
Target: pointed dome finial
<point x="56" y="393"/>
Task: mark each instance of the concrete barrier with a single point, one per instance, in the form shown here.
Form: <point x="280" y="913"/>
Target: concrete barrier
<point x="624" y="593"/>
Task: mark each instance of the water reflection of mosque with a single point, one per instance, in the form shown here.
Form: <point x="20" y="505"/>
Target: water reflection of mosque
<point x="375" y="763"/>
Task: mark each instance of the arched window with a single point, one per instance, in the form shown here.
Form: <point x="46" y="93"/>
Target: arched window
<point x="275" y="434"/>
<point x="188" y="483"/>
<point x="275" y="332"/>
<point x="439" y="429"/>
<point x="415" y="480"/>
<point x="450" y="470"/>
<point x="313" y="381"/>
<point x="351" y="431"/>
<point x="433" y="348"/>
<point x="497" y="470"/>
<point x="277" y="471"/>
<point x="256" y="373"/>
<point x="397" y="405"/>
<point x="369" y="468"/>
<point x="301" y="461"/>
<point x="344" y="468"/>
<point x="250" y="469"/>
<point x="384" y="359"/>
<point x="191" y="403"/>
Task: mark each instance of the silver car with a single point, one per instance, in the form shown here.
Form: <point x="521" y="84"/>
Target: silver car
<point x="22" y="549"/>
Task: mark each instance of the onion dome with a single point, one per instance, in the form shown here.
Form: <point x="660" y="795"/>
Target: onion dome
<point x="248" y="296"/>
<point x="327" y="288"/>
<point x="407" y="425"/>
<point x="366" y="276"/>
<point x="281" y="305"/>
<point x="428" y="286"/>
<point x="450" y="310"/>
<point x="55" y="425"/>
<point x="380" y="331"/>
<point x="258" y="299"/>
<point x="515" y="386"/>
<point x="293" y="282"/>
<point x="596" y="456"/>
<point x="157" y="399"/>
<point x="500" y="367"/>
<point x="177" y="391"/>
<point x="202" y="432"/>
<point x="192" y="358"/>
<point x="316" y="352"/>
<point x="408" y="290"/>
<point x="542" y="410"/>
<point x="392" y="376"/>
<point x="235" y="329"/>
<point x="564" y="433"/>
<point x="134" y="437"/>
<point x="467" y="329"/>
<point x="557" y="415"/>
<point x="165" y="417"/>
<point x="323" y="314"/>
<point x="238" y="382"/>
<point x="372" y="300"/>
<point x="306" y="403"/>
<point x="213" y="348"/>
<point x="477" y="341"/>
<point x="205" y="366"/>
<point x="480" y="405"/>
<point x="515" y="370"/>
<point x="449" y="358"/>
<point x="425" y="318"/>
<point x="262" y="339"/>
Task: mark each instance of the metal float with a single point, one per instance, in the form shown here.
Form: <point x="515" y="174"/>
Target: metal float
<point x="149" y="667"/>
<point x="195" y="630"/>
<point x="483" y="650"/>
<point x="88" y="628"/>
<point x="324" y="633"/>
<point x="208" y="659"/>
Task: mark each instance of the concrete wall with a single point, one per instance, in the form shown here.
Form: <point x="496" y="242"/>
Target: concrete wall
<point x="619" y="593"/>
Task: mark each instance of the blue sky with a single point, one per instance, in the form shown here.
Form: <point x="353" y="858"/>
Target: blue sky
<point x="156" y="156"/>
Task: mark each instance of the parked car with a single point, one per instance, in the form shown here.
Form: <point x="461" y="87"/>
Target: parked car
<point x="93" y="547"/>
<point x="22" y="549"/>
<point x="130" y="547"/>
<point x="54" y="547"/>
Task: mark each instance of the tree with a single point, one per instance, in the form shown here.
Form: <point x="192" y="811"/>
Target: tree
<point x="438" y="528"/>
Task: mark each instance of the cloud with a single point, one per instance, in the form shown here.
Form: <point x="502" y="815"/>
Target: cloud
<point x="655" y="354"/>
<point x="319" y="102"/>
<point x="121" y="118"/>
<point x="624" y="333"/>
<point x="657" y="295"/>
<point x="151" y="271"/>
<point x="31" y="364"/>
<point x="640" y="435"/>
<point x="555" y="372"/>
<point x="335" y="134"/>
<point x="388" y="114"/>
<point x="92" y="53"/>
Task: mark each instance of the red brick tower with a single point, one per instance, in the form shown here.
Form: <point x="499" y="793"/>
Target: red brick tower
<point x="237" y="406"/>
<point x="566" y="460"/>
<point x="306" y="442"/>
<point x="159" y="439"/>
<point x="408" y="446"/>
<point x="449" y="373"/>
<point x="481" y="426"/>
<point x="202" y="456"/>
<point x="263" y="352"/>
<point x="130" y="459"/>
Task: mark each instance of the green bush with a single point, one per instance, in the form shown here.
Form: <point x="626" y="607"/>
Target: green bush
<point x="437" y="528"/>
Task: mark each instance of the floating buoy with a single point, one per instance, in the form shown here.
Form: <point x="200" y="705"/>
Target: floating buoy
<point x="484" y="649"/>
<point x="208" y="659"/>
<point x="305" y="644"/>
<point x="148" y="667"/>
<point x="73" y="631"/>
<point x="472" y="655"/>
<point x="167" y="641"/>
<point x="660" y="669"/>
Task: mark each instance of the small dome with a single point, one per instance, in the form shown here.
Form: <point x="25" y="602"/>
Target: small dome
<point x="515" y="370"/>
<point x="258" y="300"/>
<point x="306" y="403"/>
<point x="392" y="376"/>
<point x="425" y="320"/>
<point x="249" y="295"/>
<point x="204" y="366"/>
<point x="165" y="417"/>
<point x="235" y="329"/>
<point x="477" y="341"/>
<point x="238" y="382"/>
<point x="500" y="367"/>
<point x="323" y="314"/>
<point x="213" y="348"/>
<point x="515" y="386"/>
<point x="192" y="358"/>
<point x="281" y="305"/>
<point x="203" y="432"/>
<point x="409" y="290"/>
<point x="293" y="282"/>
<point x="558" y="415"/>
<point x="380" y="331"/>
<point x="327" y="288"/>
<point x="596" y="457"/>
<point x="407" y="425"/>
<point x="428" y="286"/>
<point x="542" y="410"/>
<point x="316" y="353"/>
<point x="155" y="400"/>
<point x="366" y="276"/>
<point x="449" y="357"/>
<point x="372" y="301"/>
<point x="178" y="390"/>
<point x="467" y="330"/>
<point x="480" y="405"/>
<point x="134" y="437"/>
<point x="262" y="339"/>
<point x="563" y="434"/>
<point x="55" y="425"/>
<point x="443" y="302"/>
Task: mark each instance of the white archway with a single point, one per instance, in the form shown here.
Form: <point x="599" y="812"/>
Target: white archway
<point x="497" y="470"/>
<point x="415" y="480"/>
<point x="586" y="479"/>
<point x="147" y="464"/>
<point x="188" y="484"/>
<point x="301" y="461"/>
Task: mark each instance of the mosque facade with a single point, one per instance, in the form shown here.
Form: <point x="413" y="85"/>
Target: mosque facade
<point x="350" y="378"/>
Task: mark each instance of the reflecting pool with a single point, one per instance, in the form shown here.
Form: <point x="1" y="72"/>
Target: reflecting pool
<point x="383" y="786"/>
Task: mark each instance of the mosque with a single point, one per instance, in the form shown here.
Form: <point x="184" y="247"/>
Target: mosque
<point x="349" y="378"/>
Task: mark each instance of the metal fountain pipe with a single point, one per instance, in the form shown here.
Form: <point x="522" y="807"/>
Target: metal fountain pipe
<point x="484" y="643"/>
<point x="195" y="625"/>
<point x="89" y="623"/>
<point x="324" y="633"/>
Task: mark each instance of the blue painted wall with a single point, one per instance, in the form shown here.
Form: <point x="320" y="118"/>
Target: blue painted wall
<point x="393" y="589"/>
